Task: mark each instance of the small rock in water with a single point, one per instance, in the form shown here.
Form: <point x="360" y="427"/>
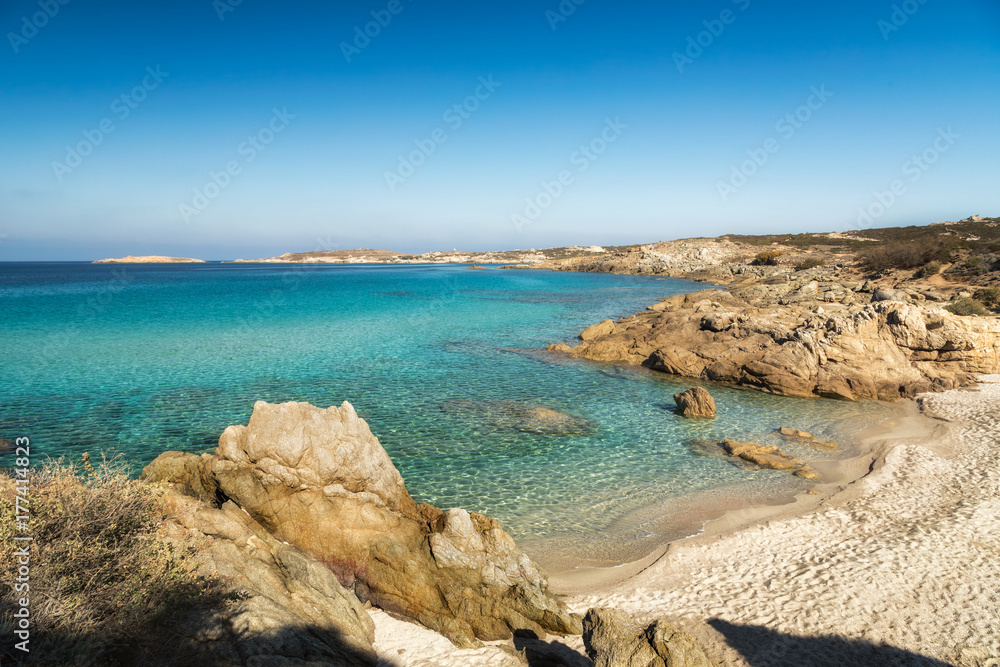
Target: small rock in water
<point x="768" y="456"/>
<point x="695" y="402"/>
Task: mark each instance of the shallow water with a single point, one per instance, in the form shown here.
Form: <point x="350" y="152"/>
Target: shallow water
<point x="443" y="362"/>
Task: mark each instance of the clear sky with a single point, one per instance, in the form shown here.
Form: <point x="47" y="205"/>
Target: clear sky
<point x="250" y="128"/>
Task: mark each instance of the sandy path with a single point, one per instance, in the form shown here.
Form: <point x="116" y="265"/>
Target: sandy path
<point x="902" y="568"/>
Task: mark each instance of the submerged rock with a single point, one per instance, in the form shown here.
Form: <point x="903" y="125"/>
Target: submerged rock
<point x="320" y="481"/>
<point x="767" y="456"/>
<point x="695" y="402"/>
<point x="522" y="417"/>
<point x="806" y="437"/>
<point x="613" y="639"/>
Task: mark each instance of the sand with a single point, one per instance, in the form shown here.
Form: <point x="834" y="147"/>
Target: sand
<point x="901" y="566"/>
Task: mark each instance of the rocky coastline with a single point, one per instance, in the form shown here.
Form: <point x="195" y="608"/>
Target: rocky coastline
<point x="814" y="325"/>
<point x="306" y="519"/>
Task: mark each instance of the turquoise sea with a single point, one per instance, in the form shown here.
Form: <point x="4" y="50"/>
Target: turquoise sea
<point x="442" y="361"/>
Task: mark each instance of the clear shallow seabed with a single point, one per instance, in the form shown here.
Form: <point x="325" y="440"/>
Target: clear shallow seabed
<point x="145" y="358"/>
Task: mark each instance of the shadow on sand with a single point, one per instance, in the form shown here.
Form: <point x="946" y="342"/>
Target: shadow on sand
<point x="763" y="647"/>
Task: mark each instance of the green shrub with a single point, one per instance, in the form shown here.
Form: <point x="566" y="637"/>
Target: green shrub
<point x="104" y="580"/>
<point x="929" y="269"/>
<point x="905" y="254"/>
<point x="809" y="263"/>
<point x="767" y="258"/>
<point x="989" y="297"/>
<point x="967" y="307"/>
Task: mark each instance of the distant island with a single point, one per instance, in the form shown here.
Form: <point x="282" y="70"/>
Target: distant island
<point x="149" y="259"/>
<point x="372" y="256"/>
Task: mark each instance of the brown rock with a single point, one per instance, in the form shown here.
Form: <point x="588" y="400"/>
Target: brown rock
<point x="695" y="402"/>
<point x="767" y="456"/>
<point x="188" y="474"/>
<point x="597" y="330"/>
<point x="282" y="606"/>
<point x="806" y="438"/>
<point x="884" y="350"/>
<point x="613" y="639"/>
<point x="319" y="480"/>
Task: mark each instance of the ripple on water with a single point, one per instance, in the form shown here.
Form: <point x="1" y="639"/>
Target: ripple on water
<point x="445" y="364"/>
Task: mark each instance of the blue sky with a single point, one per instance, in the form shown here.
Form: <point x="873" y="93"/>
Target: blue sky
<point x="248" y="130"/>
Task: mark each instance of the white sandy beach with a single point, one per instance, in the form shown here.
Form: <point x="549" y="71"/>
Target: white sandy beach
<point x="900" y="567"/>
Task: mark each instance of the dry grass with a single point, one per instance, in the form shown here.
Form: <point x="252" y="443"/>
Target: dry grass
<point x="103" y="580"/>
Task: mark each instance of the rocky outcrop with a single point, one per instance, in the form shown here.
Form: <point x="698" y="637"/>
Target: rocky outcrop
<point x="320" y="481"/>
<point x="283" y="607"/>
<point x="882" y="350"/>
<point x="767" y="456"/>
<point x="695" y="402"/>
<point x="597" y="330"/>
<point x="613" y="639"/>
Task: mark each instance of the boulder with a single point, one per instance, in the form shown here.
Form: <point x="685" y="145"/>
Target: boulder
<point x="320" y="481"/>
<point x="767" y="456"/>
<point x="695" y="402"/>
<point x="189" y="474"/>
<point x="279" y="606"/>
<point x="613" y="639"/>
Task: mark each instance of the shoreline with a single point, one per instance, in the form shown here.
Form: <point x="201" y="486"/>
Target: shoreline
<point x="872" y="442"/>
<point x="896" y="564"/>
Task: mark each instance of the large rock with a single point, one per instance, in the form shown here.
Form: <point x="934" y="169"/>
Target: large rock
<point x="320" y="481"/>
<point x="613" y="639"/>
<point x="282" y="606"/>
<point x="695" y="402"/>
<point x="884" y="350"/>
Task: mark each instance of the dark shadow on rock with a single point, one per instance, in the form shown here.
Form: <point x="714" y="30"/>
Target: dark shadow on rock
<point x="764" y="647"/>
<point x="205" y="636"/>
<point x="540" y="653"/>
